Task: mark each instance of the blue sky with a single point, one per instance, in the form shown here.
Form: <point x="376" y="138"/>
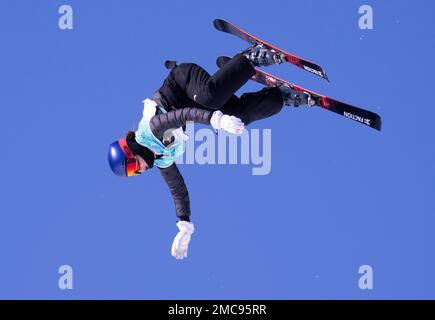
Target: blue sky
<point x="339" y="194"/>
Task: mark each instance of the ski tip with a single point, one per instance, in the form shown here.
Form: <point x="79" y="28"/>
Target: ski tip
<point x="311" y="67"/>
<point x="376" y="121"/>
<point x="378" y="124"/>
<point x="217" y="23"/>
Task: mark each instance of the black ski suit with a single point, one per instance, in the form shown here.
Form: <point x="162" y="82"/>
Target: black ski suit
<point x="189" y="93"/>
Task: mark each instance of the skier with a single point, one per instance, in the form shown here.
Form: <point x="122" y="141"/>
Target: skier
<point x="189" y="93"/>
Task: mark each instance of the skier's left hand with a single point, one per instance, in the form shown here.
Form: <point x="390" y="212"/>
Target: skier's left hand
<point x="182" y="239"/>
<point x="226" y="122"/>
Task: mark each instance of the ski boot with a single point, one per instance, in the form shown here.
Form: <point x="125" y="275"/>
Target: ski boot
<point x="261" y="56"/>
<point x="292" y="97"/>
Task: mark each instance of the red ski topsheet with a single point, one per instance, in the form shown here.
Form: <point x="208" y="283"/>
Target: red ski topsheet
<point x="309" y="66"/>
<point x="366" y="117"/>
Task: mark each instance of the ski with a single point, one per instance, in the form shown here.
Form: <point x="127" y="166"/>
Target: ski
<point x="309" y="66"/>
<point x="368" y="118"/>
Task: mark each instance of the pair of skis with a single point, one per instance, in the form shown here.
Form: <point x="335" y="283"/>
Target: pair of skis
<point x="365" y="117"/>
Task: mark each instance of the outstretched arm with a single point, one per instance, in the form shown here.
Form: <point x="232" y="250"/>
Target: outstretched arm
<point x="179" y="192"/>
<point x="173" y="178"/>
<point x="178" y="189"/>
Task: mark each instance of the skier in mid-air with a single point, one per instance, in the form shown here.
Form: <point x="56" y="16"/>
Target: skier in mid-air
<point x="189" y="93"/>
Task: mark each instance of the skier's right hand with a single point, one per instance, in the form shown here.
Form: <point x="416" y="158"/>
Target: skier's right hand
<point x="180" y="245"/>
<point x="226" y="122"/>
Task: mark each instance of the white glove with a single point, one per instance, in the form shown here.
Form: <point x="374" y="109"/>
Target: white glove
<point x="226" y="122"/>
<point x="182" y="239"/>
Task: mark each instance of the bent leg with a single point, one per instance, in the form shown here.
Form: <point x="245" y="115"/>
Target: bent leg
<point x="254" y="106"/>
<point x="213" y="92"/>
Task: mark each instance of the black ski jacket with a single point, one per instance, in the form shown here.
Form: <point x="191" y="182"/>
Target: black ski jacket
<point x="190" y="94"/>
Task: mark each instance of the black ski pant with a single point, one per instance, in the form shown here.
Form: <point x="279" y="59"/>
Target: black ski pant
<point x="189" y="85"/>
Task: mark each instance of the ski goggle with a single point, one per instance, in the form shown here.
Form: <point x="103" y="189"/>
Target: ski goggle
<point x="132" y="165"/>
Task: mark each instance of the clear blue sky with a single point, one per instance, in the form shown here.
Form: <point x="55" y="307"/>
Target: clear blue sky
<point x="340" y="195"/>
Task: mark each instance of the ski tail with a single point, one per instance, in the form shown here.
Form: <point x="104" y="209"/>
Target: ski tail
<point x="309" y="66"/>
<point x="365" y="117"/>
